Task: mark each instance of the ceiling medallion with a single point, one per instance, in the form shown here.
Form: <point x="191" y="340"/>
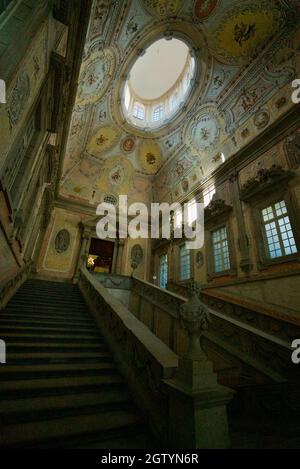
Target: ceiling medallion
<point x="261" y="119"/>
<point x="204" y="8"/>
<point x="203" y="131"/>
<point x="128" y="144"/>
<point x="96" y="75"/>
<point x="150" y="156"/>
<point x="244" y="30"/>
<point x="103" y="140"/>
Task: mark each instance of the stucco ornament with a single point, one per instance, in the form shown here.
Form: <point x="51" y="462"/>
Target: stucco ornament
<point x="149" y="156"/>
<point x="116" y="176"/>
<point x="18" y="99"/>
<point x="194" y="318"/>
<point x="203" y="131"/>
<point x="163" y="8"/>
<point x="62" y="241"/>
<point x="204" y="8"/>
<point x="96" y="75"/>
<point x="103" y="140"/>
<point x="137" y="256"/>
<point x="261" y="119"/>
<point x="244" y="30"/>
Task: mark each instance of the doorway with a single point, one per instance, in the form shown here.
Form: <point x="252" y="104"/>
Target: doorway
<point x="100" y="258"/>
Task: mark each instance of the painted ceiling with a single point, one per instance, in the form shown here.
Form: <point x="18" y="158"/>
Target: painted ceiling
<point x="247" y="53"/>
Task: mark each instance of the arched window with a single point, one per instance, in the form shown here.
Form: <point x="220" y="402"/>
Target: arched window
<point x="139" y="111"/>
<point x="158" y="113"/>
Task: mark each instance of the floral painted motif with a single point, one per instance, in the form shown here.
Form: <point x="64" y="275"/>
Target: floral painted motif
<point x="95" y="77"/>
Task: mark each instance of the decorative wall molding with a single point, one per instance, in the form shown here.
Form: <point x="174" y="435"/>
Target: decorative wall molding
<point x="264" y="181"/>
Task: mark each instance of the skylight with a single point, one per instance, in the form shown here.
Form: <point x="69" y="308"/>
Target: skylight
<point x="159" y="82"/>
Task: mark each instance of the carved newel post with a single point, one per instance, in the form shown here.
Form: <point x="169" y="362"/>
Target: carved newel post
<point x="197" y="403"/>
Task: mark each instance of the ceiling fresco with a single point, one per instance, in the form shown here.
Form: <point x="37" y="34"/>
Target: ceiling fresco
<point x="248" y="53"/>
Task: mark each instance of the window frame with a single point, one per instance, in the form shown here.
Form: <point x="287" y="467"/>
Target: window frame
<point x="210" y="227"/>
<point x="165" y="255"/>
<point x="180" y="279"/>
<point x="139" y="107"/>
<point x="262" y="252"/>
<point x="161" y="109"/>
<point x="220" y="272"/>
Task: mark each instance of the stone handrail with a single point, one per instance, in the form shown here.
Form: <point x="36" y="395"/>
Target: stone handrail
<point x="10" y="287"/>
<point x="143" y="359"/>
<point x="168" y="389"/>
<point x="264" y="346"/>
<point x="113" y="281"/>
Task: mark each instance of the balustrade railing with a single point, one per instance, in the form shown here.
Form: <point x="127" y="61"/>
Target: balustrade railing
<point x="256" y="342"/>
<point x="180" y="396"/>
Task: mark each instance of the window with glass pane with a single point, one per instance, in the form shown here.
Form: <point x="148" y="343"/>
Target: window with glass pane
<point x="278" y="231"/>
<point x="163" y="271"/>
<point x="139" y="111"/>
<point x="185" y="263"/>
<point x="158" y="113"/>
<point x="220" y="250"/>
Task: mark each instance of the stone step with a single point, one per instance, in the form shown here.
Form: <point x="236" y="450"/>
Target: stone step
<point x="80" y="319"/>
<point x="63" y="406"/>
<point x="25" y="405"/>
<point x="13" y="386"/>
<point x="51" y="338"/>
<point x="42" y="329"/>
<point x="57" y="307"/>
<point x="31" y="433"/>
<point x="33" y="358"/>
<point x="38" y="293"/>
<point x="20" y="347"/>
<point x="32" y="372"/>
<point x="60" y="387"/>
<point x="44" y="323"/>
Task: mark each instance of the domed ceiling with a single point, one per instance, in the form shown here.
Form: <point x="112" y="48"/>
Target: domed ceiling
<point x="158" y="69"/>
<point x="247" y="54"/>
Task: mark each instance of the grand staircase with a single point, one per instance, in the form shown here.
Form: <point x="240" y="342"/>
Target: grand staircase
<point x="60" y="387"/>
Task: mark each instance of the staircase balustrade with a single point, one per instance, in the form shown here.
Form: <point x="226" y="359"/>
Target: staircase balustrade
<point x="181" y="397"/>
<point x="262" y="345"/>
